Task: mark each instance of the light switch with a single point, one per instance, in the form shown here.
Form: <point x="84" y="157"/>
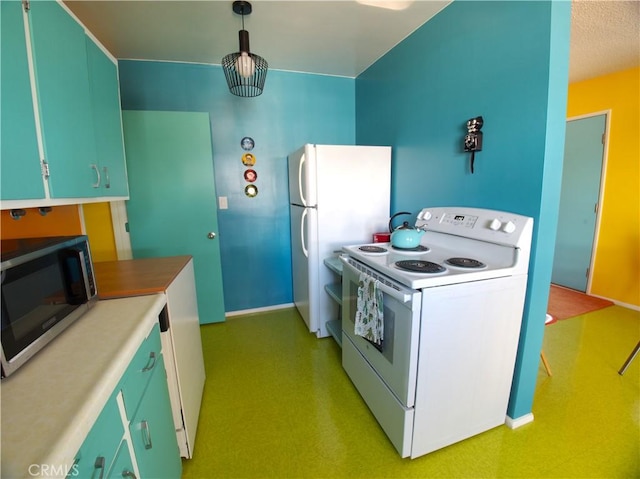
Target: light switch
<point x="222" y="201"/>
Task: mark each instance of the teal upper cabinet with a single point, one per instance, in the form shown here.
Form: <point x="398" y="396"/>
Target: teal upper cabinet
<point x="64" y="99"/>
<point x="105" y="101"/>
<point x="20" y="174"/>
<point x="77" y="131"/>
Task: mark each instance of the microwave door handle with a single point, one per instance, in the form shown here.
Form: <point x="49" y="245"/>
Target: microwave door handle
<point x="85" y="273"/>
<point x="394" y="293"/>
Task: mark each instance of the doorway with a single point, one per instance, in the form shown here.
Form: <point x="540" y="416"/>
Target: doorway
<point x="173" y="209"/>
<point x="580" y="198"/>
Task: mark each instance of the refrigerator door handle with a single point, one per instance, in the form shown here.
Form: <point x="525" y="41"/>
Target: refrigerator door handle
<point x="300" y="165"/>
<point x="302" y="221"/>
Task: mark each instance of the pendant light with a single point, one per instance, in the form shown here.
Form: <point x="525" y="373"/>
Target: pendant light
<point x="245" y="71"/>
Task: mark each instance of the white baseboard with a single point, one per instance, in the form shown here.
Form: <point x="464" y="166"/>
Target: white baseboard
<point x="520" y="421"/>
<point x="230" y="314"/>
<point x="624" y="305"/>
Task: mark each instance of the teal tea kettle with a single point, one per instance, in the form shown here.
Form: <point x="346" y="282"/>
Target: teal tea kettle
<point x="404" y="236"/>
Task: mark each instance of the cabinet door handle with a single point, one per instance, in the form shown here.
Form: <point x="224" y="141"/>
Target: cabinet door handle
<point x="99" y="464"/>
<point x="97" y="170"/>
<point x="151" y="363"/>
<point x="146" y="435"/>
<point x="107" y="183"/>
<point x="127" y="473"/>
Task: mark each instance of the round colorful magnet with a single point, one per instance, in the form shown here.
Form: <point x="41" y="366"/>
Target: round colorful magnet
<point x="250" y="176"/>
<point x="247" y="143"/>
<point x="248" y="159"/>
<point x="251" y="191"/>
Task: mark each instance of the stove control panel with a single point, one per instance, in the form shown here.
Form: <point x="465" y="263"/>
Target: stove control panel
<point x="485" y="225"/>
<point x="464" y="221"/>
<point x="507" y="227"/>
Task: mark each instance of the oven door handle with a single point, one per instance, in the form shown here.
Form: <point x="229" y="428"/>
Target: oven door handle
<point x="394" y="293"/>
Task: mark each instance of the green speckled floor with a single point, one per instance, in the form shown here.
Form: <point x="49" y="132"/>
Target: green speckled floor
<point x="277" y="404"/>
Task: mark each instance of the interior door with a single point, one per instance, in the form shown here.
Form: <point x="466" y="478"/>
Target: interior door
<point x="581" y="178"/>
<point x="172" y="210"/>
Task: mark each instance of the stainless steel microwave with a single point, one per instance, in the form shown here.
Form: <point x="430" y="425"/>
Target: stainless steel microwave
<point x="46" y="284"/>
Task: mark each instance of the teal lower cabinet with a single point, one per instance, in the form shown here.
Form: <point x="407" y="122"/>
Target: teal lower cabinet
<point x="136" y="419"/>
<point x="123" y="464"/>
<point x="101" y="445"/>
<point x="152" y="432"/>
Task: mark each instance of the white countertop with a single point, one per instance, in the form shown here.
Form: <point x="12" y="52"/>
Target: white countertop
<point x="50" y="403"/>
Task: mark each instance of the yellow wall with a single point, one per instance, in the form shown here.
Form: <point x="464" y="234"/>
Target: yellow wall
<point x="98" y="224"/>
<point x="616" y="272"/>
<point x="67" y="221"/>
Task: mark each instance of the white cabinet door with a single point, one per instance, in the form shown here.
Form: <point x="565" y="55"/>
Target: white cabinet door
<point x="187" y="347"/>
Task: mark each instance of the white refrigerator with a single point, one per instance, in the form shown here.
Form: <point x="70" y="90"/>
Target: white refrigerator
<point x="338" y="195"/>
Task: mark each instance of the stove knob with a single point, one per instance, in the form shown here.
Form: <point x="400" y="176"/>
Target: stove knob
<point x="509" y="227"/>
<point x="425" y="215"/>
<point x="495" y="224"/>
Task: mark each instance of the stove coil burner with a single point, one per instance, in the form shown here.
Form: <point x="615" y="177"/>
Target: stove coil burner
<point x="466" y="263"/>
<point x="419" y="266"/>
<point x="415" y="249"/>
<point x="372" y="249"/>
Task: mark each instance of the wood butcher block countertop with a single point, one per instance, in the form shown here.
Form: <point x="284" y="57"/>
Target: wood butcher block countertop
<point x="135" y="277"/>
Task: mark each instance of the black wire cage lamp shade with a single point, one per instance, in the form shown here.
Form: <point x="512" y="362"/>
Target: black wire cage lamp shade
<point x="245" y="71"/>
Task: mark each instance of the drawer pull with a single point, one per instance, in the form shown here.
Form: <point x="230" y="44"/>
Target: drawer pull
<point x="151" y="363"/>
<point x="97" y="183"/>
<point x="106" y="174"/>
<point x="127" y="473"/>
<point x="146" y="435"/>
<point x="99" y="464"/>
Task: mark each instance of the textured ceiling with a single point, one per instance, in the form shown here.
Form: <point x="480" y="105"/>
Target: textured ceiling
<point x="328" y="37"/>
<point x="605" y="37"/>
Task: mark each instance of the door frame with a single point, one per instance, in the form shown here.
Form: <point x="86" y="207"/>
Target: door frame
<point x="603" y="174"/>
<point x="120" y="234"/>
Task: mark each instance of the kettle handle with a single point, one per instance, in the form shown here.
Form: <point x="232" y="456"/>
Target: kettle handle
<point x="391" y="219"/>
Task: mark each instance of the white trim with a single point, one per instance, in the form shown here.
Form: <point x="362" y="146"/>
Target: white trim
<point x="88" y="32"/>
<point x="220" y="66"/>
<point x="634" y="307"/>
<point x="121" y="236"/>
<point x="11" y="204"/>
<point x="589" y="115"/>
<point x="258" y="310"/>
<point x="603" y="174"/>
<point x="83" y="226"/>
<point x="35" y="99"/>
<point x="520" y="421"/>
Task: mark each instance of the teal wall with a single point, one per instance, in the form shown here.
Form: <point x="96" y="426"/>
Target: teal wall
<point x="294" y="109"/>
<point x="506" y="61"/>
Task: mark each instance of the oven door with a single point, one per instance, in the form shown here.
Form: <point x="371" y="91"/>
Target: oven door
<point x="395" y="361"/>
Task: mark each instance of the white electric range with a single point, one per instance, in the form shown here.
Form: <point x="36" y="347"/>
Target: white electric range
<point x="452" y="313"/>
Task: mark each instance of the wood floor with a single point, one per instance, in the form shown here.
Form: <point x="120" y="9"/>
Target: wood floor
<point x="566" y="303"/>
